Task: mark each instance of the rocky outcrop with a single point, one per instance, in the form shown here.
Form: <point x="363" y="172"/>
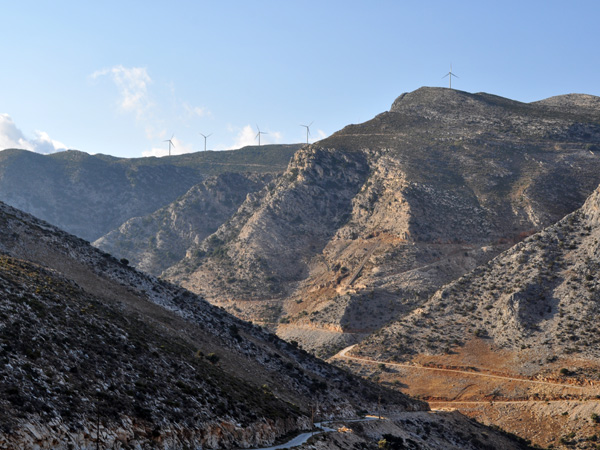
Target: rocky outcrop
<point x="130" y="433"/>
<point x="268" y="243"/>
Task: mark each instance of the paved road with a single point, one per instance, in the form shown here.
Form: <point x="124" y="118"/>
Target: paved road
<point x="302" y="438"/>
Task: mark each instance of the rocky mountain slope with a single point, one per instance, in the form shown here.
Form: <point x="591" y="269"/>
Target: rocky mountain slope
<point x="91" y="195"/>
<point x="365" y="225"/>
<point x="93" y="352"/>
<point x="159" y="240"/>
<point x="540" y="299"/>
<point x="514" y="342"/>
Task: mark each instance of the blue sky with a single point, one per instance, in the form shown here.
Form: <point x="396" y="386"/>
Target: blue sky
<point x="120" y="77"/>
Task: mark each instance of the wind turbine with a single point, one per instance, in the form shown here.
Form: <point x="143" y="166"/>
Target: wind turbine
<point x="450" y="74"/>
<point x="259" y="133"/>
<point x="170" y="141"/>
<point x="307" y="129"/>
<point x="205" y="137"/>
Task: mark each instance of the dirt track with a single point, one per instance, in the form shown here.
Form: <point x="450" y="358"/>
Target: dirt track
<point x="343" y="354"/>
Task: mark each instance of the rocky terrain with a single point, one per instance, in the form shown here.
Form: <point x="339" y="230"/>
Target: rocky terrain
<point x="541" y="297"/>
<point x="93" y="352"/>
<point x="514" y="343"/>
<point x="91" y="195"/>
<point x="365" y="225"/>
<point x="159" y="240"/>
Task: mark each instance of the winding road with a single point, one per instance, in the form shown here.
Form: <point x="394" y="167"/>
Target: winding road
<point x="302" y="438"/>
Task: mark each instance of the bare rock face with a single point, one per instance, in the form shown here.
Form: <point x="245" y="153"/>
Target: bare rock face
<point x="365" y="225"/>
<point x="157" y="241"/>
<point x="277" y="231"/>
<point x="541" y="297"/>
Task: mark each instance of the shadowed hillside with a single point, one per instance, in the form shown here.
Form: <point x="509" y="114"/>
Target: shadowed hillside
<point x="91" y="195"/>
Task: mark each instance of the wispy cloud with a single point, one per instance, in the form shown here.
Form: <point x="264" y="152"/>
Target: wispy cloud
<point x="12" y="137"/>
<point x="154" y="113"/>
<point x="132" y="83"/>
<point x="321" y="134"/>
<point x="195" y="111"/>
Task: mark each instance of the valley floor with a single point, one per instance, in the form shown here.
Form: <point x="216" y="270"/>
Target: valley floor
<point x="545" y="406"/>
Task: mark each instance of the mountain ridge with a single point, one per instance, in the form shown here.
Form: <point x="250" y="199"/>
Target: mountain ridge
<point x="90" y="195"/>
<point x="405" y="203"/>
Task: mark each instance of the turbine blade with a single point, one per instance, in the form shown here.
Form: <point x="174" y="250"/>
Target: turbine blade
<point x="209" y="135"/>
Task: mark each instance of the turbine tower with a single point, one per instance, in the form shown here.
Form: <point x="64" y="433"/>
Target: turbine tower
<point x="307" y="129"/>
<point x="450" y="75"/>
<point x="205" y="137"/>
<point x="170" y="141"/>
<point x="259" y="133"/>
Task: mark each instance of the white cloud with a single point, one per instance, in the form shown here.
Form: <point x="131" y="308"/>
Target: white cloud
<point x="248" y="136"/>
<point x="132" y="84"/>
<point x="12" y="137"/>
<point x="178" y="148"/>
<point x="195" y="111"/>
<point x="43" y="143"/>
<point x="322" y="135"/>
<point x="245" y="136"/>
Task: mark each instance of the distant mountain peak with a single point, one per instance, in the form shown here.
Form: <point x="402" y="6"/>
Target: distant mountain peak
<point x="441" y="98"/>
<point x="572" y="101"/>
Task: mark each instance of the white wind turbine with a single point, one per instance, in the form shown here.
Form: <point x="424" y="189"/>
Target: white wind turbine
<point x="259" y="133"/>
<point x="170" y="141"/>
<point x="205" y="137"/>
<point x="307" y="129"/>
<point x="450" y="75"/>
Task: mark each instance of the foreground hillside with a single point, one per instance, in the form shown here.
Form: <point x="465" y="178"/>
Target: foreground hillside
<point x="364" y="226"/>
<point x="91" y="195"/>
<point x="94" y="354"/>
<point x="90" y="347"/>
